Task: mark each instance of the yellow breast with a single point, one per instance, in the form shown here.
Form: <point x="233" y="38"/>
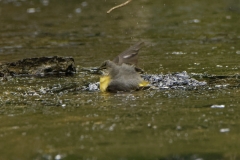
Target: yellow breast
<point x="104" y="82"/>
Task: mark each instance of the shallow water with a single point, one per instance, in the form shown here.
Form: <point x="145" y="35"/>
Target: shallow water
<point x="45" y="118"/>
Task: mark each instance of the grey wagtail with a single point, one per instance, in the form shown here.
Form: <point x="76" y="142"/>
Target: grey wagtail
<point x="120" y="78"/>
<point x="122" y="72"/>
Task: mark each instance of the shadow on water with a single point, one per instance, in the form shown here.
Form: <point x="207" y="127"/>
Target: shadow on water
<point x="48" y="118"/>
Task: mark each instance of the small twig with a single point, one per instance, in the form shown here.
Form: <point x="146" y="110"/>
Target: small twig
<point x="118" y="6"/>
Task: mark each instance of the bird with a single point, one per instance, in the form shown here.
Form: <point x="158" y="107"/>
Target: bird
<point x="121" y="77"/>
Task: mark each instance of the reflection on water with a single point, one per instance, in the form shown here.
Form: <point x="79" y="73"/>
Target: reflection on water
<point x="46" y="118"/>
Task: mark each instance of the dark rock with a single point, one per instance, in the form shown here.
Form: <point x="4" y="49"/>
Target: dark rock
<point x="41" y="66"/>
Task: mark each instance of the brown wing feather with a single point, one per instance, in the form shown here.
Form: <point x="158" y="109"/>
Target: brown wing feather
<point x="129" y="56"/>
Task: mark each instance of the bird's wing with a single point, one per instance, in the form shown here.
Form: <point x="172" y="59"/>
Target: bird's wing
<point x="129" y="55"/>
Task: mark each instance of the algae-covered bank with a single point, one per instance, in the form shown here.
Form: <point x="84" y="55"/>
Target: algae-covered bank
<point x="53" y="118"/>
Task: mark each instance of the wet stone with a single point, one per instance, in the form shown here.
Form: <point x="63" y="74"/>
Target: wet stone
<point x="172" y="80"/>
<point x="91" y="87"/>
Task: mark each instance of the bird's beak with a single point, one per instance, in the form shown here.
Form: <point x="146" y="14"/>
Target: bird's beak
<point x="103" y="66"/>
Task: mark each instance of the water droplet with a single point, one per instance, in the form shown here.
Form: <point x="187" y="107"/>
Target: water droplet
<point x="84" y="4"/>
<point x="228" y="17"/>
<point x="179" y="128"/>
<point x="31" y="10"/>
<point x="111" y="128"/>
<point x="224" y="130"/>
<point x="58" y="157"/>
<point x="78" y="10"/>
<point x="45" y="2"/>
<point x="15" y="127"/>
<point x="218" y="106"/>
